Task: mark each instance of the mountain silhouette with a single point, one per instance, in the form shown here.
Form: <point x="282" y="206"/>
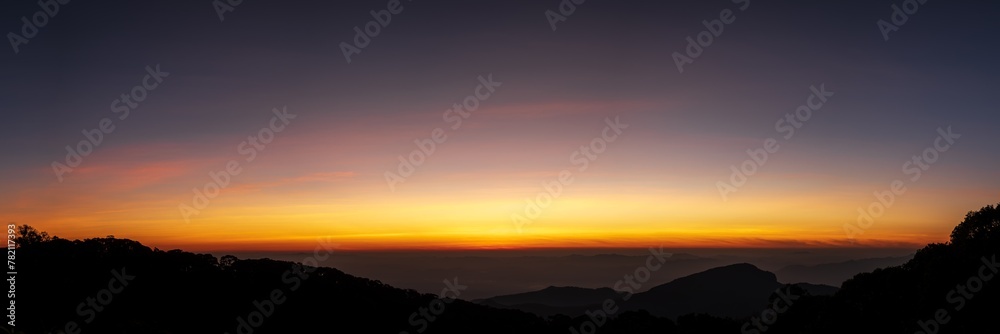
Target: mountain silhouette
<point x="736" y="290"/>
<point x="557" y="296"/>
<point x="109" y="285"/>
<point x="730" y="291"/>
<point x="817" y="289"/>
<point x="837" y="272"/>
<point x="554" y="300"/>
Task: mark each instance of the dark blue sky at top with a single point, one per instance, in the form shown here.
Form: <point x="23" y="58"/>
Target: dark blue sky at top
<point x="938" y="69"/>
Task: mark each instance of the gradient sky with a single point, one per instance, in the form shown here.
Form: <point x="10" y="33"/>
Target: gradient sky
<point x="324" y="174"/>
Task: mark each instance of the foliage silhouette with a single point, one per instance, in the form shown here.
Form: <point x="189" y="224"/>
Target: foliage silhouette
<point x="181" y="292"/>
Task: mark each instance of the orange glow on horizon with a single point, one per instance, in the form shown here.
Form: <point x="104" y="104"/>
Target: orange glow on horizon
<point x="464" y="196"/>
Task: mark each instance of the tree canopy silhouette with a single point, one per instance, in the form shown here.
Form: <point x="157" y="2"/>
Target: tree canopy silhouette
<point x="182" y="292"/>
<point x="982" y="225"/>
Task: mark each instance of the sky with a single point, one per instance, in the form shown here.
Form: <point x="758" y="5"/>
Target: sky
<point x="588" y="135"/>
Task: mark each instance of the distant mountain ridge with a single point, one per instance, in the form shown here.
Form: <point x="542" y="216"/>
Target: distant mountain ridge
<point x="568" y="296"/>
<point x="837" y="272"/>
<point x="554" y="300"/>
<point x="731" y="291"/>
<point x="181" y="292"/>
<point x="736" y="290"/>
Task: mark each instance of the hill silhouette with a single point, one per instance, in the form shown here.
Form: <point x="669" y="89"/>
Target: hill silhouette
<point x="818" y="289"/>
<point x="838" y="272"/>
<point x="557" y="296"/>
<point x="554" y="300"/>
<point x="110" y="285"/>
<point x="735" y="291"/>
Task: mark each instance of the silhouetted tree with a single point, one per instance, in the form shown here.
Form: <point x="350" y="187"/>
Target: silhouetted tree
<point x="28" y="235"/>
<point x="227" y="261"/>
<point x="978" y="225"/>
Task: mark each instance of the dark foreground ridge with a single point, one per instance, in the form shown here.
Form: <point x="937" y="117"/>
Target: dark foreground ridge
<point x="109" y="285"/>
<point x="734" y="291"/>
